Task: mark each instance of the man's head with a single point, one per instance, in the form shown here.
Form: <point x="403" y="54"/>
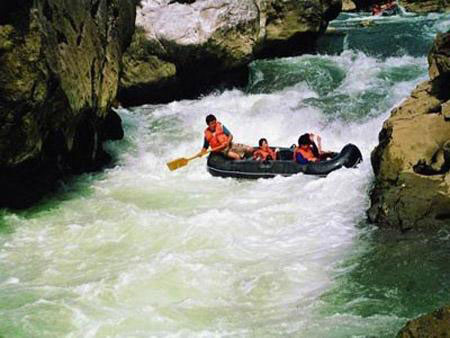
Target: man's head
<point x="211" y="122"/>
<point x="262" y="142"/>
<point x="304" y="140"/>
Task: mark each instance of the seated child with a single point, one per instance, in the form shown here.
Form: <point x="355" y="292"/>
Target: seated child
<point x="264" y="153"/>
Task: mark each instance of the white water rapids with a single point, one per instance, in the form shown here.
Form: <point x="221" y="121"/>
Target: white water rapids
<point x="139" y="251"/>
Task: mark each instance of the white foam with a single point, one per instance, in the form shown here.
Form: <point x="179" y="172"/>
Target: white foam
<point x="146" y="251"/>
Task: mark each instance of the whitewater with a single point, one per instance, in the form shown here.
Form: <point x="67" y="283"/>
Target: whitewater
<point x="137" y="250"/>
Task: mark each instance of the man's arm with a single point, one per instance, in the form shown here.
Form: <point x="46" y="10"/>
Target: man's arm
<point x="204" y="148"/>
<point x="317" y="142"/>
<point x="226" y="131"/>
<point x="226" y="144"/>
<point x="221" y="147"/>
<point x="205" y="144"/>
<point x="230" y="136"/>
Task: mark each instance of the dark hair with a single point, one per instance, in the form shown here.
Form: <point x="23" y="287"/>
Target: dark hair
<point x="304" y="140"/>
<point x="260" y="142"/>
<point x="210" y="118"/>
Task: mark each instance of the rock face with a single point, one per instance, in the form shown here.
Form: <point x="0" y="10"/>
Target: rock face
<point x="412" y="161"/>
<point x="439" y="60"/>
<point x="186" y="44"/>
<point x="436" y="324"/>
<point x="348" y="6"/>
<point x="425" y="6"/>
<point x="59" y="70"/>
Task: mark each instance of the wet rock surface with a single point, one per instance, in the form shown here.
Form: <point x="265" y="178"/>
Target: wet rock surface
<point x="426" y="6"/>
<point x="181" y="48"/>
<point x="412" y="161"/>
<point x="59" y="64"/>
<point x="435" y="324"/>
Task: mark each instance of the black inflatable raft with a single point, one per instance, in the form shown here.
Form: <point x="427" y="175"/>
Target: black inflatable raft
<point x="391" y="11"/>
<point x="219" y="165"/>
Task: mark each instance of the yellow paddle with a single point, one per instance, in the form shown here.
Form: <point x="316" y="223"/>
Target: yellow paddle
<point x="181" y="162"/>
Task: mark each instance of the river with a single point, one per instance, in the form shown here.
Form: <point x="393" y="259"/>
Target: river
<point x="139" y="251"/>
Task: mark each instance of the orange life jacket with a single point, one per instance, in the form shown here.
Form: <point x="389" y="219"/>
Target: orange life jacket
<point x="263" y="154"/>
<point x="306" y="152"/>
<point x="216" y="138"/>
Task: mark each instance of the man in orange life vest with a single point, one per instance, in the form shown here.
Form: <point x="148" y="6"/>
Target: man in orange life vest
<point x="218" y="137"/>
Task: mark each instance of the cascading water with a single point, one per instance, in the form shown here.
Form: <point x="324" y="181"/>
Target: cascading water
<point x="140" y="251"/>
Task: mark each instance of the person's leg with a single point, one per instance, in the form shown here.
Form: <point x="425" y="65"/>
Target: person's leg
<point x="249" y="150"/>
<point x="242" y="149"/>
<point x="233" y="155"/>
<point x="233" y="152"/>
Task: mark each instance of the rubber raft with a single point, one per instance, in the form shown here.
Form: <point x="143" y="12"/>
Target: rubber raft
<point x="391" y="11"/>
<point x="219" y="165"/>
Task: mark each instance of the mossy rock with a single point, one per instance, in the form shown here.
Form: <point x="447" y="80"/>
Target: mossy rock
<point x="60" y="63"/>
<point x="435" y="324"/>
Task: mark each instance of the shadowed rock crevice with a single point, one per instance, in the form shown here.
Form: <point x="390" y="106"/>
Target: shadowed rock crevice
<point x="15" y="13"/>
<point x="439" y="163"/>
<point x="59" y="78"/>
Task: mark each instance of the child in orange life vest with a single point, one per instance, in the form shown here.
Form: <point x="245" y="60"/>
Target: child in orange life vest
<point x="220" y="139"/>
<point x="264" y="152"/>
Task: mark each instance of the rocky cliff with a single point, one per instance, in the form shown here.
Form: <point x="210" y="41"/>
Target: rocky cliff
<point x="426" y="6"/>
<point x="182" y="46"/>
<point x="418" y="6"/>
<point x="59" y="70"/>
<point x="435" y="324"/>
<point x="412" y="161"/>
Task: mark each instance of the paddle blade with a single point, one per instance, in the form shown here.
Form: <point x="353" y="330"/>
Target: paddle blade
<point x="178" y="163"/>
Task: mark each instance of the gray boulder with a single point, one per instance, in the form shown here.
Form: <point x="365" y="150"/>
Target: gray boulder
<point x="412" y="161"/>
<point x="190" y="43"/>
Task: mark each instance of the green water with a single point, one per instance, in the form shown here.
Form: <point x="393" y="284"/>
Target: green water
<point x="419" y="284"/>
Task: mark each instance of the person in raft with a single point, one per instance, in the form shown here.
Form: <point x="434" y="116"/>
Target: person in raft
<point x="377" y="10"/>
<point x="219" y="138"/>
<point x="264" y="152"/>
<point x="308" y="151"/>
